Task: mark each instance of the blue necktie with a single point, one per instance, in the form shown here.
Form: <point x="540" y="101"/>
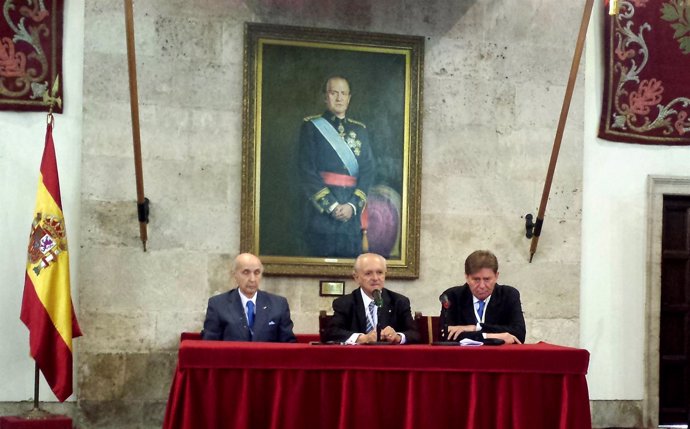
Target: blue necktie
<point x="480" y="310"/>
<point x="250" y="314"/>
<point x="370" y="325"/>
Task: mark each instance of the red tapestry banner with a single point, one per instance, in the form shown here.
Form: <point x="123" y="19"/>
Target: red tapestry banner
<point x="647" y="65"/>
<point x="30" y="53"/>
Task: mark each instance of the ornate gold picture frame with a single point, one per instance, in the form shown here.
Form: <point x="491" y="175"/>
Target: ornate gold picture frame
<point x="289" y="73"/>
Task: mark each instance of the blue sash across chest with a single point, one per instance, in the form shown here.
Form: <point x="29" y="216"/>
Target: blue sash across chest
<point x="338" y="145"/>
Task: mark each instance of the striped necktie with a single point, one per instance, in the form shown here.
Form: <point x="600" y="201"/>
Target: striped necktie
<point x="370" y="324"/>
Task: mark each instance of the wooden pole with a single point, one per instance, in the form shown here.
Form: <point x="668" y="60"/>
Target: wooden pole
<point x="561" y="126"/>
<point x="142" y="201"/>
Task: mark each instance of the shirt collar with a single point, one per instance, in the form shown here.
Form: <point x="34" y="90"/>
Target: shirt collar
<point x="245" y="299"/>
<point x="330" y="116"/>
<point x="365" y="298"/>
<point x="475" y="300"/>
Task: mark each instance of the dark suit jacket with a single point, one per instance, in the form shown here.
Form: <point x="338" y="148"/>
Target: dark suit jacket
<point x="503" y="313"/>
<point x="226" y="320"/>
<point x="349" y="316"/>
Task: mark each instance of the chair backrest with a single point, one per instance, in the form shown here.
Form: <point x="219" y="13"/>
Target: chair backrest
<point x="190" y="336"/>
<point x="324" y="320"/>
<point x="429" y="328"/>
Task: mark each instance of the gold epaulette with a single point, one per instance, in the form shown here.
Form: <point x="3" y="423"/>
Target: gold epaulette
<point x="356" y="122"/>
<point x="309" y="118"/>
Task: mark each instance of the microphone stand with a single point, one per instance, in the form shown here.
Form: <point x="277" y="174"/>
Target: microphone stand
<point x="444" y="325"/>
<point x="378" y="323"/>
<point x="445" y="306"/>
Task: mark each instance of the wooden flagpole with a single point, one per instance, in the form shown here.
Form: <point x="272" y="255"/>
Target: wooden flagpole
<point x="142" y="201"/>
<point x="561" y="126"/>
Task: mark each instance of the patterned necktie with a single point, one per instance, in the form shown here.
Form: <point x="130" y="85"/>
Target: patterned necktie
<point x="370" y="319"/>
<point x="480" y="310"/>
<point x="250" y="314"/>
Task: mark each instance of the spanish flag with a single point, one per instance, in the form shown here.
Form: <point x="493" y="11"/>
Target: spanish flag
<point x="47" y="304"/>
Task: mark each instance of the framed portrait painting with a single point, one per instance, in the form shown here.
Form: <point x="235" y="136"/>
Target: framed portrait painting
<point x="331" y="164"/>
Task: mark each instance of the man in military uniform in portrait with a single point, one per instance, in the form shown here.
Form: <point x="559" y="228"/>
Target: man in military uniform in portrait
<point x="337" y="168"/>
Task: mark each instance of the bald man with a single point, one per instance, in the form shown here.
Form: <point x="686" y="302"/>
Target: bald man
<point x="247" y="313"/>
<point x="356" y="317"/>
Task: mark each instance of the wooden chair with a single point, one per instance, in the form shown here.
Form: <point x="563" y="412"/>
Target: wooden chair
<point x="429" y="328"/>
<point x="324" y="320"/>
<point x="190" y="336"/>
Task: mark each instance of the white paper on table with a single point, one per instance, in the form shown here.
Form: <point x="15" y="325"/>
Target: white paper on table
<point x="468" y="342"/>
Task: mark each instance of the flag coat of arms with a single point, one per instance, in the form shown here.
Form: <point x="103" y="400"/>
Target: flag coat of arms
<point x="47" y="309"/>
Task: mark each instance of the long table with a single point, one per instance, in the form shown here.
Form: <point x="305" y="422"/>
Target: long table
<point x="266" y="385"/>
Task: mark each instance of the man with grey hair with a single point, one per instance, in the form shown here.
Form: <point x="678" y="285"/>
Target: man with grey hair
<point x="247" y="313"/>
<point x="356" y="315"/>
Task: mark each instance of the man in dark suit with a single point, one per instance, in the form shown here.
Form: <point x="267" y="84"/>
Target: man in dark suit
<point x="480" y="308"/>
<point x="356" y="315"/>
<point x="246" y="313"/>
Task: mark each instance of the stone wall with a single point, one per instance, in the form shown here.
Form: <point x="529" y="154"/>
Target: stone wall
<point x="494" y="77"/>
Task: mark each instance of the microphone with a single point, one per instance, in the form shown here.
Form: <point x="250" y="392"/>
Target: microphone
<point x="445" y="304"/>
<point x="378" y="301"/>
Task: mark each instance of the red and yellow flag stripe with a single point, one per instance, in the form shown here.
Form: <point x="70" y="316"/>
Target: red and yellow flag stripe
<point x="47" y="308"/>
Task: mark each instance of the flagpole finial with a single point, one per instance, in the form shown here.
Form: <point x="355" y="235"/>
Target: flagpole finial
<point x="52" y="99"/>
<point x="613" y="7"/>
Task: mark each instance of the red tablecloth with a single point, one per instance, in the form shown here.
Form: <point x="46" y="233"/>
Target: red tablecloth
<point x="264" y="385"/>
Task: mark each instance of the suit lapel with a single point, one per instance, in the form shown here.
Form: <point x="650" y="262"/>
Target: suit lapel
<point x="468" y="306"/>
<point x="492" y="308"/>
<point x="237" y="312"/>
<point x="386" y="309"/>
<point x="360" y="315"/>
<point x="263" y="309"/>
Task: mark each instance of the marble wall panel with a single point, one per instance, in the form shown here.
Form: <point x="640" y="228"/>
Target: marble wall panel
<point x="101" y="376"/>
<point x="106" y="332"/>
<point x="110" y="22"/>
<point x="623" y="414"/>
<point x="564" y="332"/>
<point x="110" y="223"/>
<point x="107" y="129"/>
<point x="188" y="38"/>
<point x="123" y="280"/>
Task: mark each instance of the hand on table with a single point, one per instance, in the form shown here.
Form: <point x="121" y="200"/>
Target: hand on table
<point x="388" y="334"/>
<point x="455" y="331"/>
<point x="508" y="338"/>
